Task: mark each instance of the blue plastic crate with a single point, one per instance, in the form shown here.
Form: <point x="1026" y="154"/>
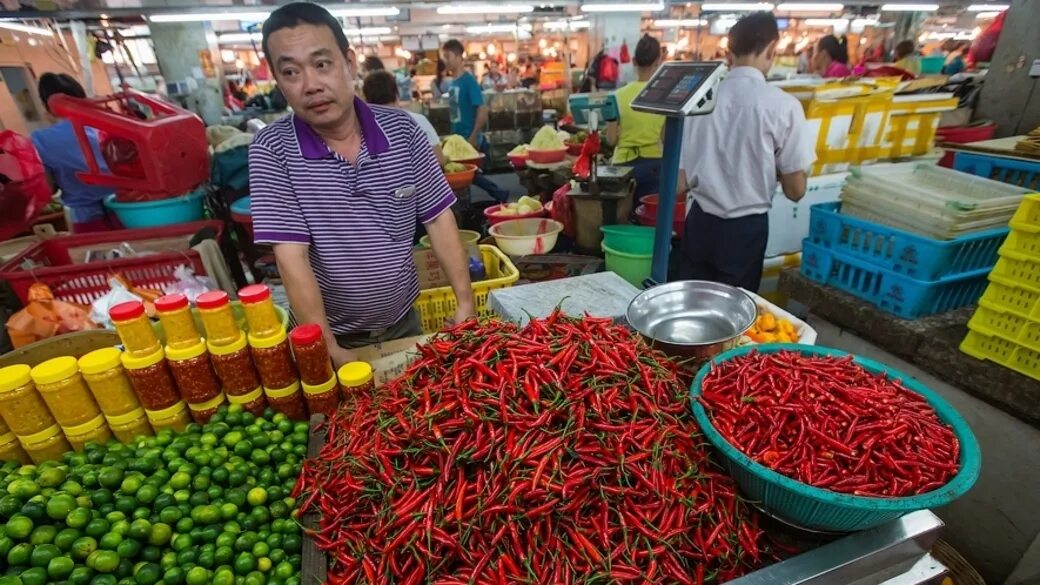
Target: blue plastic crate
<point x="901" y="251"/>
<point x="893" y="293"/>
<point x="821" y="509"/>
<point x="1006" y="170"/>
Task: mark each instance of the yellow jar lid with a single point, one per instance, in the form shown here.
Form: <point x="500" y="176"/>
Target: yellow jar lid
<point x="320" y="388"/>
<point x="232" y="347"/>
<point x="137" y="363"/>
<point x="45" y="434"/>
<point x="126" y="417"/>
<point x="269" y="341"/>
<point x="283" y="392"/>
<point x="7" y="438"/>
<point x="247" y="397"/>
<point x="186" y="353"/>
<point x="209" y="404"/>
<point x="166" y="413"/>
<point x="355" y="374"/>
<point x="100" y="360"/>
<point x="14" y="376"/>
<point x="88" y="427"/>
<point x="55" y="370"/>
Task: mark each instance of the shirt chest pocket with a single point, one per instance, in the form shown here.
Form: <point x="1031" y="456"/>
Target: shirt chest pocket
<point x="394" y="207"/>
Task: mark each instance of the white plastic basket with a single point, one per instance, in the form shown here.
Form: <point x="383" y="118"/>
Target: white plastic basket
<point x="936" y="187"/>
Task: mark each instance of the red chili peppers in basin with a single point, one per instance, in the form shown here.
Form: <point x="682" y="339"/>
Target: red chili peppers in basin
<point x="828" y="422"/>
<point x="562" y="452"/>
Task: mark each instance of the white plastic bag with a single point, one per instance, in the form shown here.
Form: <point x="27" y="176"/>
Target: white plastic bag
<point x="118" y="293"/>
<point x="188" y="284"/>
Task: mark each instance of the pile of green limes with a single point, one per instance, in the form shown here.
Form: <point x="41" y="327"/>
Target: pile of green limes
<point x="208" y="506"/>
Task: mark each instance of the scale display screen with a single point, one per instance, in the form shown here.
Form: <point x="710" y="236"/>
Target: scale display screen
<point x="674" y="85"/>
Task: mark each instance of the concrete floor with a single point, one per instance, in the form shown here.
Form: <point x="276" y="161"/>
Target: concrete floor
<point x="995" y="526"/>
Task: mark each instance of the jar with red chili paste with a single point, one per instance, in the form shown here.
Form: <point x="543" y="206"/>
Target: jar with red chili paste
<point x="134" y="329"/>
<point x="356" y="377"/>
<point x="217" y="318"/>
<point x="152" y="381"/>
<point x="252" y="402"/>
<point x="261" y="317"/>
<point x="273" y="359"/>
<point x="203" y="411"/>
<point x="234" y="366"/>
<point x="288" y="401"/>
<point x="193" y="373"/>
<point x="177" y="322"/>
<point x="323" y="398"/>
<point x="312" y="355"/>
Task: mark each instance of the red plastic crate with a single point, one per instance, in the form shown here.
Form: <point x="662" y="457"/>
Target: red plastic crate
<point x="83" y="283"/>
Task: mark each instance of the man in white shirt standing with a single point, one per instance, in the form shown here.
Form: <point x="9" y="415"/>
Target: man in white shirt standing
<point x="733" y="158"/>
<point x="380" y="89"/>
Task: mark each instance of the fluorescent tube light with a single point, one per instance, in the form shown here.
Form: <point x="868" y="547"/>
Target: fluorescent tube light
<point x="485" y="9"/>
<point x="497" y="28"/>
<point x="239" y="37"/>
<point x="809" y="7"/>
<point x="910" y="7"/>
<point x="680" y="23"/>
<point x="650" y="7"/>
<point x="33" y="30"/>
<point x="209" y="16"/>
<point x="736" y="7"/>
<point x="988" y="7"/>
<point x="566" y="24"/>
<point x="985" y="15"/>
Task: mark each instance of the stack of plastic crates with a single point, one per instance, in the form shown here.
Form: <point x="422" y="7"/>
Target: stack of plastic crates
<point x="1006" y="327"/>
<point x="928" y="200"/>
<point x="1012" y="171"/>
<point x="902" y="273"/>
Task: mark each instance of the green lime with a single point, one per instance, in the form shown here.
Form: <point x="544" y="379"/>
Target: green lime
<point x="152" y="554"/>
<point x="60" y="567"/>
<point x="104" y="580"/>
<point x="263" y="564"/>
<point x="128" y="549"/>
<point x="261" y="549"/>
<point x="160" y="534"/>
<point x="106" y="561"/>
<point x="180" y="480"/>
<point x="170" y="515"/>
<point x="197" y="576"/>
<point x="244" y="563"/>
<point x="51" y="477"/>
<point x="80" y="576"/>
<point x="19" y="527"/>
<point x="120" y="527"/>
<point x="243" y="448"/>
<point x="173" y="576"/>
<point x="65" y="537"/>
<point x="283" y="570"/>
<point x="97" y="528"/>
<point x="125" y="504"/>
<point x="184" y="525"/>
<point x="9" y="506"/>
<point x="78" y="518"/>
<point x="11" y="580"/>
<point x="43" y="535"/>
<point x="19" y="554"/>
<point x="23" y="489"/>
<point x="6" y="544"/>
<point x="224" y="576"/>
<point x="140" y="529"/>
<point x="59" y="506"/>
<point x="34" y="576"/>
<point x="181" y="542"/>
<point x="292" y="543"/>
<point x="147" y="573"/>
<point x="255" y="578"/>
<point x="101" y="496"/>
<point x="257" y="496"/>
<point x="147" y="494"/>
<point x="224" y="555"/>
<point x="82" y="547"/>
<point x="131" y="484"/>
<point x="41" y="555"/>
<point x="110" y="477"/>
<point x="206" y="559"/>
<point x="110" y="540"/>
<point x="277" y="555"/>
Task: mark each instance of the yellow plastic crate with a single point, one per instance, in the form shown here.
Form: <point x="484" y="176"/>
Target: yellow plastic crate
<point x="1009" y="354"/>
<point x="437" y="304"/>
<point x="1028" y="215"/>
<point x="848" y="131"/>
<point x="911" y="125"/>
<point x="1018" y="267"/>
<point x="1024" y="243"/>
<point x="1007" y="295"/>
<point x="1013" y="327"/>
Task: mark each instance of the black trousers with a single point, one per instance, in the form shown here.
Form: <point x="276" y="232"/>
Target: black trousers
<point x="730" y="251"/>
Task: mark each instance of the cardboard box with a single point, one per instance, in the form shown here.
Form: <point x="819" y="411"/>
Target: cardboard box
<point x="391" y="358"/>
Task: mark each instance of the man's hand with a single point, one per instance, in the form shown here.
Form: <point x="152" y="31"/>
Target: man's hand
<point x="474" y="139"/>
<point x="341" y="355"/>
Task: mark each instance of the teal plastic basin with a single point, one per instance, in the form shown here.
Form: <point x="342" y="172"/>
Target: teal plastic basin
<point x="629" y="239"/>
<point x="145" y="214"/>
<point x="818" y="508"/>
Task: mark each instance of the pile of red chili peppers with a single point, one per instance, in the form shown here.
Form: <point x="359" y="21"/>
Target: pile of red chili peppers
<point x="828" y="422"/>
<point x="562" y="452"/>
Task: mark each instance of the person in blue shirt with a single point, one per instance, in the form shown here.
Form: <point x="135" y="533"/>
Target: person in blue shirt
<point x="61" y="155"/>
<point x="469" y="115"/>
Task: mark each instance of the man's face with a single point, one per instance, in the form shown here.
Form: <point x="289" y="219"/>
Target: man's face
<point x="453" y="62"/>
<point x="313" y="73"/>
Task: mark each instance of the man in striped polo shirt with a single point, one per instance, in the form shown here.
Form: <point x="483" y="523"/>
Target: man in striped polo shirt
<point x="337" y="188"/>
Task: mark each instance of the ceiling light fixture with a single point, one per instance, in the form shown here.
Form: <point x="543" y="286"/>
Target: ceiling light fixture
<point x="485" y="9"/>
<point x="839" y="22"/>
<point x="33" y="30"/>
<point x="988" y="7"/>
<point x="650" y="7"/>
<point x="910" y="7"/>
<point x="680" y="23"/>
<point x="497" y="28"/>
<point x="372" y="31"/>
<point x="985" y="15"/>
<point x="566" y="24"/>
<point x="209" y="16"/>
<point x="736" y="6"/>
<point x="240" y="37"/>
<point x="809" y="7"/>
<point x="361" y="12"/>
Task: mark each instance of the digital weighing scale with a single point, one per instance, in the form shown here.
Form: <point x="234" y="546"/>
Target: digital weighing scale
<point x="678" y="89"/>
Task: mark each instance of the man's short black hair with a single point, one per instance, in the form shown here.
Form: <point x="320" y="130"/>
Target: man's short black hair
<point x="453" y="46"/>
<point x="297" y="13"/>
<point x="380" y="88"/>
<point x="648" y="51"/>
<point x="55" y="83"/>
<point x="753" y="33"/>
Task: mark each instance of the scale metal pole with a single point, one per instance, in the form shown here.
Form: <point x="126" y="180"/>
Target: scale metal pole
<point x="673" y="130"/>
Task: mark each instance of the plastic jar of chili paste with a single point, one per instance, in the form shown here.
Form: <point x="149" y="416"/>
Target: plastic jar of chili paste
<point x="196" y="380"/>
<point x="323" y="398"/>
<point x="177" y="322"/>
<point x="67" y="395"/>
<point x="234" y="366"/>
<point x="175" y="417"/>
<point x="152" y="381"/>
<point x="103" y="372"/>
<point x="202" y="411"/>
<point x="273" y="360"/>
<point x="217" y="318"/>
<point x="47" y="445"/>
<point x="252" y="402"/>
<point x="261" y="317"/>
<point x="288" y="401"/>
<point x="312" y="354"/>
<point x="126" y="427"/>
<point x="11" y="449"/>
<point x="21" y="406"/>
<point x="134" y="328"/>
<point x="94" y="430"/>
<point x="356" y="377"/>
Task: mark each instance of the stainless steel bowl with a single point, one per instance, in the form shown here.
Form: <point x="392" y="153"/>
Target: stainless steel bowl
<point x="692" y="318"/>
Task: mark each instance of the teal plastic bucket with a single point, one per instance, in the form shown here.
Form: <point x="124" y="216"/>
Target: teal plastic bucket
<point x="932" y="65"/>
<point x="147" y="214"/>
<point x="820" y="509"/>
<point x="629" y="239"/>
<point x="635" y="268"/>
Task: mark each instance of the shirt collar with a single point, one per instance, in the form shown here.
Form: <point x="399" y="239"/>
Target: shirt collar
<point x="313" y="147"/>
<point x="746" y="72"/>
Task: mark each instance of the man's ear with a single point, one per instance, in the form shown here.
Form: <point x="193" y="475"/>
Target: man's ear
<point x="771" y="50"/>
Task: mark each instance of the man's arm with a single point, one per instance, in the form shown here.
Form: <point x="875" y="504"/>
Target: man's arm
<point x="797" y="154"/>
<point x="478" y="125"/>
<point x="613" y="131"/>
<point x="794" y="185"/>
<point x="294" y="266"/>
<point x="447" y="246"/>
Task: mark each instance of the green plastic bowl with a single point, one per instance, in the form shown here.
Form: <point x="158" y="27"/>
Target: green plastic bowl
<point x="629" y="239"/>
<point x="635" y="268"/>
<point x="820" y="509"/>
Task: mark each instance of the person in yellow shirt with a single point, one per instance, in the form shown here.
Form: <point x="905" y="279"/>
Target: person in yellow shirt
<point x="636" y="136"/>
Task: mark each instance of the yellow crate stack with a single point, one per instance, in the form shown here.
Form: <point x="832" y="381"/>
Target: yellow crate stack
<point x="1006" y="327"/>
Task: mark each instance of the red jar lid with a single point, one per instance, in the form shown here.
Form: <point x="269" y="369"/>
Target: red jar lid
<point x="212" y="299"/>
<point x="126" y="311"/>
<point x="254" y="293"/>
<point x="171" y="302"/>
<point x="305" y="334"/>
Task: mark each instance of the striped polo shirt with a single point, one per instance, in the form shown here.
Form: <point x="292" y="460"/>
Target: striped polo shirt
<point x="358" y="220"/>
